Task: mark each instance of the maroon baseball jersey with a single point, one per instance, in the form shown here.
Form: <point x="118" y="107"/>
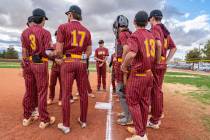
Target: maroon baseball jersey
<point x="101" y="53"/>
<point x="75" y="36"/>
<point x="122" y="40"/>
<point x="161" y="33"/>
<point x="142" y="43"/>
<point x="36" y="40"/>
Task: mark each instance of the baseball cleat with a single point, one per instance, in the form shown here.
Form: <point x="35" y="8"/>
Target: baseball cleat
<point x="91" y="95"/>
<point x="137" y="137"/>
<point x="27" y="122"/>
<point x="43" y="125"/>
<point x="49" y="102"/>
<point x="131" y="130"/>
<point x="63" y="128"/>
<point x="72" y="101"/>
<point x="75" y="98"/>
<point x="59" y="103"/>
<point x="124" y="121"/>
<point x="35" y="114"/>
<point x="152" y="125"/>
<point x="121" y="115"/>
<point x="82" y="124"/>
<point x="149" y="117"/>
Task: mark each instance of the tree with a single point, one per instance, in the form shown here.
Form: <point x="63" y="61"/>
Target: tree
<point x="206" y="51"/>
<point x="193" y="56"/>
<point x="11" y="53"/>
<point x="2" y="54"/>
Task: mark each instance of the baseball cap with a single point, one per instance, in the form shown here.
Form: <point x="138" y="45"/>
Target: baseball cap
<point x="30" y="19"/>
<point x="141" y="16"/>
<point x="74" y="9"/>
<point x="155" y="13"/>
<point x="100" y="42"/>
<point x="39" y="13"/>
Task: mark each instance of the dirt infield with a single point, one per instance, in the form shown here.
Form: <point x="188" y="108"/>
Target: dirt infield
<point x="182" y="116"/>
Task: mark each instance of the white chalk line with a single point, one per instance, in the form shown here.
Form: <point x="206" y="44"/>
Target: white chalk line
<point x="109" y="118"/>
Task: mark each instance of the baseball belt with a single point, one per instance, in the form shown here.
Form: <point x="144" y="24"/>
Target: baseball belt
<point x="72" y="57"/>
<point x="147" y="72"/>
<point x="38" y="59"/>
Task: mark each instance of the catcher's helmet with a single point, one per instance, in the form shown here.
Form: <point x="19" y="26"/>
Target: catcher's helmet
<point x="122" y="21"/>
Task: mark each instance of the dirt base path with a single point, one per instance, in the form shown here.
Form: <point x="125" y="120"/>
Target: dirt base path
<point x="11" y="93"/>
<point x="182" y="115"/>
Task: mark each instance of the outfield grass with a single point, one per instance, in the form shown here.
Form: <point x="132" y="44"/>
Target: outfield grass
<point x="9" y="65"/>
<point x="17" y="65"/>
<point x="200" y="81"/>
<point x="195" y="80"/>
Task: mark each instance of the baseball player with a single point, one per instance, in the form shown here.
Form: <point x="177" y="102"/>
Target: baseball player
<point x="112" y="64"/>
<point x="35" y="113"/>
<point x="35" y="40"/>
<point x="141" y="47"/>
<point x="163" y="40"/>
<point x="74" y="47"/>
<point x="123" y="33"/>
<point x="55" y="74"/>
<point x="101" y="55"/>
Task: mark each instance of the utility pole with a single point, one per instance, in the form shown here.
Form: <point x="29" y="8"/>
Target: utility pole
<point x="199" y="52"/>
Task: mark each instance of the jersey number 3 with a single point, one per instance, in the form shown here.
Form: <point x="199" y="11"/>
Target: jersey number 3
<point x="150" y="47"/>
<point x="33" y="41"/>
<point x="75" y="42"/>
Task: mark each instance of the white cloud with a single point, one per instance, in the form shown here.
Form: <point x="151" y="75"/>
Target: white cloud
<point x="98" y="16"/>
<point x="189" y="34"/>
<point x="199" y="23"/>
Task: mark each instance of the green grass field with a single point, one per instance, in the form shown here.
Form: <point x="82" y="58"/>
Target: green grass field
<point x="17" y="65"/>
<point x="9" y="65"/>
<point x="200" y="81"/>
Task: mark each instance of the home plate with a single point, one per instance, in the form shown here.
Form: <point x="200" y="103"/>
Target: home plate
<point x="103" y="105"/>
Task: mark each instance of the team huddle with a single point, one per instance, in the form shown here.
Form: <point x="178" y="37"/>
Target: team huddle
<point x="138" y="67"/>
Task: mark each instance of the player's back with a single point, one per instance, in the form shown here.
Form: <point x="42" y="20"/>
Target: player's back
<point x="36" y="40"/>
<point x="75" y="36"/>
<point x="146" y="46"/>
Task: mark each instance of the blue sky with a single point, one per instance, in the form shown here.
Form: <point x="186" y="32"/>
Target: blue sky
<point x="187" y="20"/>
<point x="194" y="7"/>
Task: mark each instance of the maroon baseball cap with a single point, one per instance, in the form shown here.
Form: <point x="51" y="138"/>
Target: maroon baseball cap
<point x="100" y="42"/>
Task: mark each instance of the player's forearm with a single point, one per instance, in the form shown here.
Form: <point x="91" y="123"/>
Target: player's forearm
<point x="105" y="59"/>
<point x="97" y="59"/>
<point x="24" y="53"/>
<point x="171" y="54"/>
<point x="128" y="58"/>
<point x="59" y="50"/>
<point x="89" y="51"/>
<point x="125" y="51"/>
